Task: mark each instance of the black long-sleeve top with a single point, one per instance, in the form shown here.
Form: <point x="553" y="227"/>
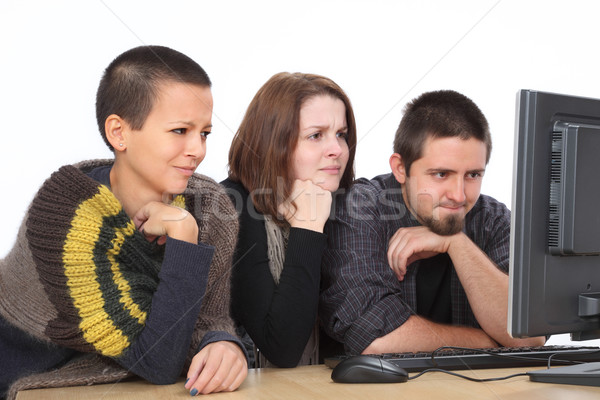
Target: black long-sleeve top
<point x="278" y="318"/>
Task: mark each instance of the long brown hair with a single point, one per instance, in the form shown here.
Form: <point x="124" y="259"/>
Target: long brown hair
<point x="262" y="148"/>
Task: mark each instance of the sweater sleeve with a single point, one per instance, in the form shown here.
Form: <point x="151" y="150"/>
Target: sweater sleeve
<point x="158" y="353"/>
<point x="278" y="318"/>
<point x="218" y="224"/>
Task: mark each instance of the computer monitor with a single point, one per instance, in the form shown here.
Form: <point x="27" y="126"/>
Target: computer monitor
<point x="555" y="224"/>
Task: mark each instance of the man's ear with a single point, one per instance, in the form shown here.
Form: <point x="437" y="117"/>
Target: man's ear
<point x="398" y="168"/>
<point x="115" y="127"/>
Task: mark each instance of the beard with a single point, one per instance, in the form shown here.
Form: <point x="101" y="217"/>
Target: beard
<point x="448" y="226"/>
<point x="427" y="212"/>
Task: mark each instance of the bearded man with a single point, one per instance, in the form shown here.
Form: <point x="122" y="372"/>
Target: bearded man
<point x="418" y="258"/>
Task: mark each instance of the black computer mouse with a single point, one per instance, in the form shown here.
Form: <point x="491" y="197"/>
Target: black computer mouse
<point x="367" y="369"/>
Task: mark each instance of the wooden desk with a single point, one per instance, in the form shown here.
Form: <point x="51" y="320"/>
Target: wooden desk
<point x="314" y="382"/>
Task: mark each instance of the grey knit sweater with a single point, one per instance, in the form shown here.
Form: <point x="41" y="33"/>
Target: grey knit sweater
<point x="77" y="248"/>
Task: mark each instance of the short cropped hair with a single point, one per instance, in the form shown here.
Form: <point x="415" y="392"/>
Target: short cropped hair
<point x="439" y="114"/>
<point x="131" y="83"/>
<point x="260" y="157"/>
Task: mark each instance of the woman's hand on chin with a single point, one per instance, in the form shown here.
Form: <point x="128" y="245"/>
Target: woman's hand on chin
<point x="308" y="207"/>
<point x="157" y="219"/>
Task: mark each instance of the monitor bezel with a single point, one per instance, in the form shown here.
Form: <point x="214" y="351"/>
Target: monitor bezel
<point x="538" y="305"/>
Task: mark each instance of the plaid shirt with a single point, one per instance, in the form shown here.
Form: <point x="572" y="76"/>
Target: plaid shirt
<point x="361" y="298"/>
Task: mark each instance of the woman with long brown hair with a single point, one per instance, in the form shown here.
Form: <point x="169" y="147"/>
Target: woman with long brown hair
<point x="294" y="148"/>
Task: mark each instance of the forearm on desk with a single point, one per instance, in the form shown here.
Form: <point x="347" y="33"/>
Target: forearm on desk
<point x="420" y="334"/>
<point x="158" y="354"/>
<point x="486" y="287"/>
<point x="279" y="318"/>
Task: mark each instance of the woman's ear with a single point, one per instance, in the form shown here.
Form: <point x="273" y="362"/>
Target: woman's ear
<point x="115" y="127"/>
<point x="398" y="168"/>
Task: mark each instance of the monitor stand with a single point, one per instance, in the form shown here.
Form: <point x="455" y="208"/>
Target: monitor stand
<point x="587" y="374"/>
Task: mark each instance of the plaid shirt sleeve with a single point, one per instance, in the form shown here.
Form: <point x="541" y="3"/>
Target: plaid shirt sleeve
<point x="488" y="225"/>
<point x="361" y="299"/>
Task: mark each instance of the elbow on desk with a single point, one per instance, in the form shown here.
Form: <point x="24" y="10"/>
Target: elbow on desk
<point x="280" y="350"/>
<point x="157" y="375"/>
<point x="160" y="379"/>
<point x="285" y="363"/>
<point x="155" y="368"/>
<point x="283" y="358"/>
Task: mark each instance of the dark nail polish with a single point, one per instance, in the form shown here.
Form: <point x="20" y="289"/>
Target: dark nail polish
<point x="186" y="381"/>
<point x="193" y="392"/>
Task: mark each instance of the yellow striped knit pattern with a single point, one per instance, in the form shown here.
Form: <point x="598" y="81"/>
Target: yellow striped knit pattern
<point x="179" y="201"/>
<point x="96" y="325"/>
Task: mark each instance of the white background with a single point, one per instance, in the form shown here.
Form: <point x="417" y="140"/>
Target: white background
<point x="382" y="53"/>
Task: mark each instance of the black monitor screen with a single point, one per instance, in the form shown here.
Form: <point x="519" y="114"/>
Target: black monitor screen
<point x="555" y="227"/>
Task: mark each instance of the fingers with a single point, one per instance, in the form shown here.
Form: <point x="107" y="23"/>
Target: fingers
<point x="398" y="254"/>
<point x="140" y="219"/>
<point x="218" y="367"/>
<point x="308" y="207"/>
<point x="216" y="370"/>
<point x="194" y="371"/>
<point x="408" y="245"/>
<point x="157" y="219"/>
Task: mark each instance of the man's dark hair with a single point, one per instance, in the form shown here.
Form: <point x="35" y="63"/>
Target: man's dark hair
<point x="439" y="114"/>
<point x="131" y="83"/>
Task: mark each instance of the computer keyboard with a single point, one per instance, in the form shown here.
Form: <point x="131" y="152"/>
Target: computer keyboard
<point x="502" y="357"/>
